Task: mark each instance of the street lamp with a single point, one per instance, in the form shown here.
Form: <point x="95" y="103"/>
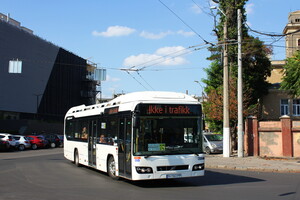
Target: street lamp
<point x="215" y="7"/>
<point x="226" y="128"/>
<point x="202" y="100"/>
<point x="202" y="96"/>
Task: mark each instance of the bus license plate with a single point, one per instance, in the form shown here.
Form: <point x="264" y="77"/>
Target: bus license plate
<point x="173" y="175"/>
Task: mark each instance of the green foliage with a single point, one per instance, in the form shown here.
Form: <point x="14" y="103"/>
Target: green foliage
<point x="214" y="76"/>
<point x="256" y="68"/>
<point x="255" y="63"/>
<point x="291" y="78"/>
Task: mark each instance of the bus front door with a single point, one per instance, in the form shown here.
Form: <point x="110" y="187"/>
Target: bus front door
<point x="92" y="142"/>
<point x="125" y="147"/>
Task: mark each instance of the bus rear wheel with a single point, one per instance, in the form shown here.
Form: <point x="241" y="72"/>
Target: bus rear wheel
<point x="111" y="168"/>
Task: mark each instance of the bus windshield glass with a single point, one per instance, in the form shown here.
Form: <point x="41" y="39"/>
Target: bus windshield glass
<point x="168" y="136"/>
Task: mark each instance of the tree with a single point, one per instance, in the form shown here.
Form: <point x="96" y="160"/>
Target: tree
<point x="291" y="78"/>
<point x="256" y="68"/>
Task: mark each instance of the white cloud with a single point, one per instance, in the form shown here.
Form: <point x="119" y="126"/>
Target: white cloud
<point x="177" y="50"/>
<point x="115" y="31"/>
<point x="161" y="35"/>
<point x="111" y="79"/>
<point x="154" y="36"/>
<point x="196" y="9"/>
<point x="140" y="59"/>
<point x="186" y="34"/>
<point x="166" y="56"/>
<point x="249" y="8"/>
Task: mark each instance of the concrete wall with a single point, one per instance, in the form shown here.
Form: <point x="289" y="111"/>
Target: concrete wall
<point x="296" y="138"/>
<point x="270" y="144"/>
<point x="272" y="138"/>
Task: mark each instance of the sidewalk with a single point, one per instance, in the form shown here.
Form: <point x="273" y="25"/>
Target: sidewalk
<point x="251" y="163"/>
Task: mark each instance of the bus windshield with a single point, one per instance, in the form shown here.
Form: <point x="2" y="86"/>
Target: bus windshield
<point x="167" y="136"/>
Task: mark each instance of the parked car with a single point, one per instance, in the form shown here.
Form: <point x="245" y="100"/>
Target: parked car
<point x="24" y="143"/>
<point x="36" y="141"/>
<point x="53" y="140"/>
<point x="47" y="142"/>
<point x="13" y="144"/>
<point x="61" y="138"/>
<point x="4" y="145"/>
<point x="213" y="143"/>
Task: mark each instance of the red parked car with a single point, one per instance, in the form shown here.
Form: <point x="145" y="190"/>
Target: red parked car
<point x="36" y="141"/>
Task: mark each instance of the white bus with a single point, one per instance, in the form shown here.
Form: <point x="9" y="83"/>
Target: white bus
<point x="138" y="136"/>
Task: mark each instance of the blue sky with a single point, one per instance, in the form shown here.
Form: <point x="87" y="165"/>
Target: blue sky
<point x="144" y="35"/>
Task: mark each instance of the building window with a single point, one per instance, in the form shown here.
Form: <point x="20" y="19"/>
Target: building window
<point x="297" y="20"/>
<point x="284" y="107"/>
<point x="15" y="66"/>
<point x="298" y="43"/>
<point x="296" y="107"/>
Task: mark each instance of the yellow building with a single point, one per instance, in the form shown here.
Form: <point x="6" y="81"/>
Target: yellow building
<point x="278" y="103"/>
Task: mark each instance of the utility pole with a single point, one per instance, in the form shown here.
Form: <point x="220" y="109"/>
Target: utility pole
<point x="240" y="89"/>
<point x="226" y="128"/>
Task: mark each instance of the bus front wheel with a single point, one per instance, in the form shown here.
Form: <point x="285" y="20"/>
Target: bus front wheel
<point x="76" y="158"/>
<point x="111" y="168"/>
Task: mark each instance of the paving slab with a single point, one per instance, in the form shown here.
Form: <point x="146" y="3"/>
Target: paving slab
<point x="253" y="163"/>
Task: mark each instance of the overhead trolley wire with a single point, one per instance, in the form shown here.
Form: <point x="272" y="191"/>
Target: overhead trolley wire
<point x="145" y="80"/>
<point x="137" y="80"/>
<point x="185" y="23"/>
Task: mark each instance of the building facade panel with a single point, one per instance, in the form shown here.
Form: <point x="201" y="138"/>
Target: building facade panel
<point x="19" y="90"/>
<point x="39" y="81"/>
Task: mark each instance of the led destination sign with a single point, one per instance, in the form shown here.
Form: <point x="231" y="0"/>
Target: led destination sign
<point x="169" y="109"/>
<point x="153" y="109"/>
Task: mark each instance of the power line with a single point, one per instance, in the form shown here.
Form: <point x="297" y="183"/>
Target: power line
<point x="270" y="34"/>
<point x="137" y="80"/>
<point x="158" y="58"/>
<point x="164" y="69"/>
<point x="165" y="58"/>
<point x="185" y="23"/>
<point x="145" y="80"/>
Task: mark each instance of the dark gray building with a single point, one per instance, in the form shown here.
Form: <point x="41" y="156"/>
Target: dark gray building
<point x="39" y="81"/>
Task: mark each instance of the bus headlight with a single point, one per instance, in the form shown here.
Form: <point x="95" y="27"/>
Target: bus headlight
<point x="198" y="167"/>
<point x="144" y="170"/>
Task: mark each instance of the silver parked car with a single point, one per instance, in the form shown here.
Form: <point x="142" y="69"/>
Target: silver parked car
<point x="9" y="138"/>
<point x="24" y="143"/>
<point x="213" y="143"/>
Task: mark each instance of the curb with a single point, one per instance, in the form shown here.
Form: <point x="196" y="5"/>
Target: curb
<point x="256" y="169"/>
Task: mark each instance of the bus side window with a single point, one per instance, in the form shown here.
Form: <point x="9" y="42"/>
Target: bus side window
<point x="84" y="134"/>
<point x="109" y="128"/>
<point x="70" y="129"/>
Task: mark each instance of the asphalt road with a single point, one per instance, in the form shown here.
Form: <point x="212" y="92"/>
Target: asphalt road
<point x="45" y="174"/>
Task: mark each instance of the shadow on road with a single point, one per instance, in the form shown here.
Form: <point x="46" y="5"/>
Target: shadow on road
<point x="210" y="178"/>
